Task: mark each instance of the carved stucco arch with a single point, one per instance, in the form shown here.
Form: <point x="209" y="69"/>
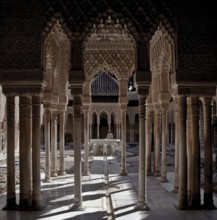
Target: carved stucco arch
<point x="56" y="47"/>
<point x="114" y="53"/>
<point x="161" y="53"/>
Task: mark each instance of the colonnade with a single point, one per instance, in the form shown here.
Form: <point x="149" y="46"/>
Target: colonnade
<point x="50" y="133"/>
<point x="187" y="149"/>
<point x="29" y="152"/>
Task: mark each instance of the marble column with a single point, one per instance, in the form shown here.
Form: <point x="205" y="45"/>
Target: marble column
<point x="77" y="154"/>
<point x="157" y="142"/>
<point x="194" y="108"/>
<point x="123" y="142"/>
<point x="208" y="155"/>
<point x="36" y="165"/>
<point x="142" y="197"/>
<point x="25" y="135"/>
<point x="182" y="197"/>
<point x="62" y="142"/>
<point x="164" y="145"/>
<point x="91" y="130"/>
<point x="0" y="137"/>
<point x="53" y="143"/>
<point x="189" y="153"/>
<point x="176" y="181"/>
<point x="148" y="140"/>
<point x="47" y="119"/>
<point x="86" y="145"/>
<point x="11" y="194"/>
<point x="98" y="124"/>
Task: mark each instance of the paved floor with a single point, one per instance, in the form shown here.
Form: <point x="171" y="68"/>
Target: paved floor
<point x="114" y="198"/>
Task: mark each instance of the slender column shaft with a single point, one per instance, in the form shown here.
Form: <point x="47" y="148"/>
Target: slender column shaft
<point x="208" y="163"/>
<point x="0" y="137"/>
<point x="98" y="124"/>
<point x="189" y="154"/>
<point x="36" y="116"/>
<point x="47" y="118"/>
<point x="86" y="145"/>
<point x="62" y="143"/>
<point x="123" y="143"/>
<point x="77" y="154"/>
<point x="11" y="195"/>
<point x="24" y="152"/>
<point x="148" y="141"/>
<point x="194" y="107"/>
<point x="183" y="201"/>
<point x="142" y="200"/>
<point x="54" y="144"/>
<point x="91" y="130"/>
<point x="164" y="146"/>
<point x="157" y="142"/>
<point x="176" y="181"/>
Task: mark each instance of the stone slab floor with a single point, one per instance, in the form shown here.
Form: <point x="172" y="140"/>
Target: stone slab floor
<point x="108" y="198"/>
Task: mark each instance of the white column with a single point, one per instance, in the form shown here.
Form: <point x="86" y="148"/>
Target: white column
<point x="0" y="137"/>
<point x="24" y="153"/>
<point x="194" y="107"/>
<point x="182" y="199"/>
<point x="62" y="142"/>
<point x="123" y="142"/>
<point x="47" y="119"/>
<point x="77" y="153"/>
<point x="142" y="197"/>
<point x="176" y="181"/>
<point x="189" y="153"/>
<point x="86" y="145"/>
<point x="208" y="155"/>
<point x="53" y="143"/>
<point x="98" y="124"/>
<point x="11" y="195"/>
<point x="148" y="140"/>
<point x="157" y="142"/>
<point x="36" y="165"/>
<point x="164" y="145"/>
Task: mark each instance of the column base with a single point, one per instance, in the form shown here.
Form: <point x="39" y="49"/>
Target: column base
<point x="157" y="173"/>
<point x="183" y="205"/>
<point x="86" y="174"/>
<point x="47" y="180"/>
<point x="62" y="173"/>
<point x="37" y="206"/>
<point x="24" y="205"/>
<point x="208" y="201"/>
<point x="141" y="206"/>
<point x="77" y="207"/>
<point x="123" y="173"/>
<point x="11" y="205"/>
<point x="163" y="179"/>
<point x="53" y="174"/>
<point x="176" y="189"/>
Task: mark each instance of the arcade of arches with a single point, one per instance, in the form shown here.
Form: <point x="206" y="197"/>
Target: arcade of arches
<point x="116" y="72"/>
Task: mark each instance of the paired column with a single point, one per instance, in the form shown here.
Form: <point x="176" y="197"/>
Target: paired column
<point x="164" y="145"/>
<point x="54" y="143"/>
<point x="77" y="153"/>
<point x="123" y="142"/>
<point x="157" y="142"/>
<point x="86" y="145"/>
<point x="142" y="197"/>
<point x="36" y="167"/>
<point x="11" y="194"/>
<point x="148" y="140"/>
<point x="194" y="110"/>
<point x="62" y="142"/>
<point x="208" y="159"/>
<point x="182" y="198"/>
<point x="47" y="118"/>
